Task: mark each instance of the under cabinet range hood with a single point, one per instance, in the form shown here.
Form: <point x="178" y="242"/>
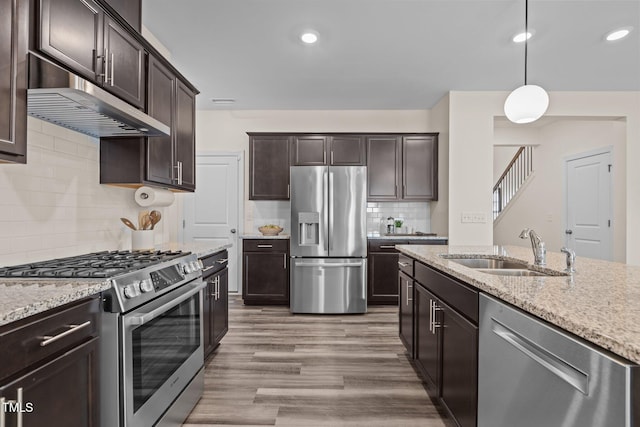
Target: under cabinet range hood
<point x="65" y="99"/>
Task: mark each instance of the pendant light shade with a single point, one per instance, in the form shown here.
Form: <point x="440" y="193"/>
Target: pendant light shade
<point x="526" y="104"/>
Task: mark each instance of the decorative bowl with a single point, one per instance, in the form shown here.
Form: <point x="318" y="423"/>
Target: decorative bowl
<point x="270" y="230"/>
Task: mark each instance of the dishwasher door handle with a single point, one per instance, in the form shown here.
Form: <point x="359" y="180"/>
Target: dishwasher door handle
<point x="565" y="371"/>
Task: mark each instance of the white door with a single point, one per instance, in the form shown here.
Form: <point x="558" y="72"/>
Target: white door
<point x="588" y="205"/>
<point x="212" y="212"/>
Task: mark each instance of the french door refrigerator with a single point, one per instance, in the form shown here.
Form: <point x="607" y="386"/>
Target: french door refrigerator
<point x="328" y="239"/>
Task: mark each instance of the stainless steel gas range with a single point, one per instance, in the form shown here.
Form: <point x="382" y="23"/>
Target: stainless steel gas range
<point x="151" y="355"/>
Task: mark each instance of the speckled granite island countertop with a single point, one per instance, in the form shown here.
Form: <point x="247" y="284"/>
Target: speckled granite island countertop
<point x="20" y="298"/>
<point x="600" y="302"/>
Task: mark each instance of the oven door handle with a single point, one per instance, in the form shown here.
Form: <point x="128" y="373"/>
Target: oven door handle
<point x="141" y="319"/>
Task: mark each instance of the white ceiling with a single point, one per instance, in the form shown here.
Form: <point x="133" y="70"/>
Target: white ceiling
<point x="391" y="54"/>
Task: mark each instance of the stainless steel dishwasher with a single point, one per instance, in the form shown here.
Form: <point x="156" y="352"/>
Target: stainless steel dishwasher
<point x="532" y="374"/>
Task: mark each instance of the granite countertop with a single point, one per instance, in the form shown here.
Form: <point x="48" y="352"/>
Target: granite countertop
<point x="404" y="237"/>
<point x="260" y="236"/>
<point x="600" y="302"/>
<point x="20" y="298"/>
<point x="200" y="249"/>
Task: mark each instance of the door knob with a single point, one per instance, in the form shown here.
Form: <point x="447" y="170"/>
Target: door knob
<point x="233" y="231"/>
<point x="568" y="231"/>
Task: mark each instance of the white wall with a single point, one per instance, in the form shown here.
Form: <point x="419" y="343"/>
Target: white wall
<point x="440" y="208"/>
<point x="540" y="205"/>
<point x="471" y="147"/>
<point x="54" y="206"/>
<point x="226" y="130"/>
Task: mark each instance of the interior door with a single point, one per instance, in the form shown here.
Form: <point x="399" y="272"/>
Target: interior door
<point x="211" y="213"/>
<point x="588" y="201"/>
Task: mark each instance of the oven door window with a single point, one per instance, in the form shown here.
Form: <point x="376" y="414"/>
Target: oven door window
<point x="161" y="346"/>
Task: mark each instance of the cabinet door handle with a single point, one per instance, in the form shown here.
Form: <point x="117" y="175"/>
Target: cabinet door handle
<point x="284" y="261"/>
<point x="179" y="171"/>
<point x="207" y="268"/>
<point x="409" y="299"/>
<point x="288" y="190"/>
<point x="48" y="339"/>
<point x="430" y="315"/>
<point x="106" y="66"/>
<point x="403" y="264"/>
<point x="324" y="157"/>
<point x="112" y="69"/>
<point x="387" y="246"/>
<point x="265" y="246"/>
<point x="332" y="157"/>
<point x="436" y="325"/>
<point x="18" y="401"/>
<point x="222" y="261"/>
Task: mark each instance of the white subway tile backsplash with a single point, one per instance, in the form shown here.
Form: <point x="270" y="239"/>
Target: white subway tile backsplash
<point x="415" y="215"/>
<point x="54" y="206"/>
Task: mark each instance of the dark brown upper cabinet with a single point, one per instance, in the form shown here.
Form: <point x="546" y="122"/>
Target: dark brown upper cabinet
<point x="420" y="168"/>
<point x="83" y="38"/>
<point x="402" y="167"/>
<point x="164" y="160"/>
<point x="321" y="150"/>
<point x="384" y="163"/>
<point x="347" y="150"/>
<point x="71" y="31"/>
<point x="126" y="64"/>
<point x="14" y="22"/>
<point x="129" y="10"/>
<point x="268" y="167"/>
<point x="309" y="150"/>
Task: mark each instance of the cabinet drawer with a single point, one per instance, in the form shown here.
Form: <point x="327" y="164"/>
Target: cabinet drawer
<point x="458" y="295"/>
<point x="384" y="245"/>
<point x="265" y="245"/>
<point x="214" y="263"/>
<point x="34" y="339"/>
<point x="405" y="264"/>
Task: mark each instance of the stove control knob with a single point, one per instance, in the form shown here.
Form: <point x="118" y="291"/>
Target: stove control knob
<point x="186" y="269"/>
<point x="146" y="285"/>
<point x="194" y="266"/>
<point x="132" y="291"/>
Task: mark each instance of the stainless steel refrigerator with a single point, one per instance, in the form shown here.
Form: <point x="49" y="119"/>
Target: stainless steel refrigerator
<point x="328" y="239"/>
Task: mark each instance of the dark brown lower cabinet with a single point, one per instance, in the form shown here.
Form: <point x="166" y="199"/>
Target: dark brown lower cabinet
<point x="265" y="271"/>
<point x="459" y="387"/>
<point x="62" y="392"/>
<point x="406" y="292"/>
<point x="445" y="333"/>
<point x="215" y="303"/>
<point x="53" y="383"/>
<point x="382" y="261"/>
<point x="428" y="338"/>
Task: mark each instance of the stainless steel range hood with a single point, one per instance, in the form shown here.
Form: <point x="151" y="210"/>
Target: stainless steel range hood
<point x="65" y="99"/>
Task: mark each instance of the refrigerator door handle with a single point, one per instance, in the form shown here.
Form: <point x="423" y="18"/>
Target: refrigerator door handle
<point x="329" y="265"/>
<point x="325" y="195"/>
<point x="331" y="217"/>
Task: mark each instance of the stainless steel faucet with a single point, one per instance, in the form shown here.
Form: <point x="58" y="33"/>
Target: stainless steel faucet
<point x="539" y="251"/>
<point x="571" y="259"/>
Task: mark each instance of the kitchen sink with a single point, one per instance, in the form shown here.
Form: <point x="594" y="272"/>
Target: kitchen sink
<point x="489" y="263"/>
<point x="512" y="272"/>
<point x="500" y="267"/>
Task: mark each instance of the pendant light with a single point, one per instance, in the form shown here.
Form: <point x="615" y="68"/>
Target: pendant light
<point x="527" y="103"/>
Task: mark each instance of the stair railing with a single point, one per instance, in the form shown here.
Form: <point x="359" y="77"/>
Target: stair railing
<point x="514" y="175"/>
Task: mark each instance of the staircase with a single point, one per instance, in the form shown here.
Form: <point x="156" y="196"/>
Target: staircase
<point x="512" y="179"/>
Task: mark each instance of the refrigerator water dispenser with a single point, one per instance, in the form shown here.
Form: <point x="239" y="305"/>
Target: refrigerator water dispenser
<point x="309" y="226"/>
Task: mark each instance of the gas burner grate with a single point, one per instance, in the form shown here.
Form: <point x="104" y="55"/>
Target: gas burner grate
<point x="94" y="265"/>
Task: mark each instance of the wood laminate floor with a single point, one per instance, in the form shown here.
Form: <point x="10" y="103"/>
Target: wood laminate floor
<point x="275" y="368"/>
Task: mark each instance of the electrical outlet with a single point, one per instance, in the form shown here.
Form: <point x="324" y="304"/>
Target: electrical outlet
<point x="467" y="217"/>
<point x="479" y="217"/>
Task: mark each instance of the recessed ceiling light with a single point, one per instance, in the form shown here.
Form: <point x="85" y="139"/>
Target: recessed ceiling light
<point x="521" y="37"/>
<point x="223" y="100"/>
<point x="618" y="34"/>
<point x="309" y="37"/>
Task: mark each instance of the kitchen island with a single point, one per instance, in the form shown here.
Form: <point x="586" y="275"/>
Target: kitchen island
<point x="600" y="302"/>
